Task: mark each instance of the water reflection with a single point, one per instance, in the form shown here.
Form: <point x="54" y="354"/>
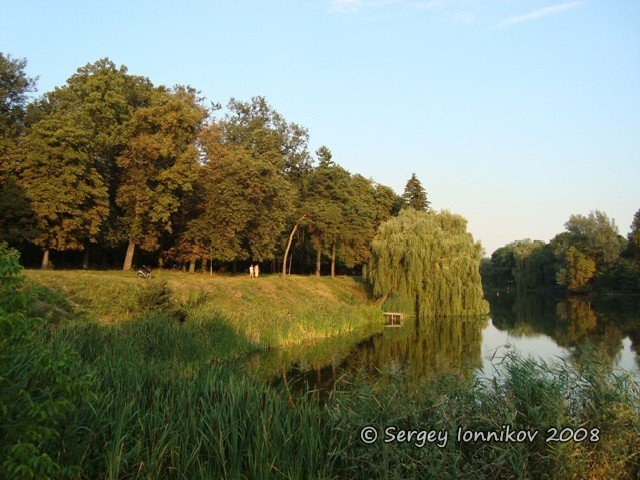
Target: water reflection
<point x="421" y="348"/>
<point x="541" y="326"/>
<point x="561" y="324"/>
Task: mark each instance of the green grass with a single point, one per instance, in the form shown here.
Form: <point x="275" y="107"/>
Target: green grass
<point x="269" y="311"/>
<point x="139" y="395"/>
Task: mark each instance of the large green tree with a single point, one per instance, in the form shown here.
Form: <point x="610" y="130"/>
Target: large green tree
<point x="105" y="96"/>
<point x="325" y="206"/>
<point x="265" y="134"/>
<point x="428" y="260"/>
<point x="246" y="202"/>
<point x="578" y="272"/>
<point x="66" y="192"/>
<point x="595" y="235"/>
<point x="158" y="166"/>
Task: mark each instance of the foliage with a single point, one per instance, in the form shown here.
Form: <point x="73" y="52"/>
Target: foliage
<point x="16" y="221"/>
<point x="40" y="386"/>
<point x="158" y="164"/>
<point x="596" y="235"/>
<point x="101" y="99"/>
<point x="414" y="195"/>
<point x="265" y="134"/>
<point x="589" y="255"/>
<point x="246" y="202"/>
<point x="579" y="270"/>
<point x="623" y="277"/>
<point x="65" y="189"/>
<point x="15" y="86"/>
<point x="429" y="259"/>
<point x="633" y="248"/>
<point x="156" y="297"/>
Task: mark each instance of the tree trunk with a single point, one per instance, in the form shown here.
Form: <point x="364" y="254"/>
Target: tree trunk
<point x="192" y="265"/>
<point x="318" y="261"/>
<point x="290" y="262"/>
<point x="85" y="258"/>
<point x="286" y="252"/>
<point x="203" y="267"/>
<point x="128" y="259"/>
<point x="45" y="259"/>
<point x="160" y="262"/>
<point x="333" y="259"/>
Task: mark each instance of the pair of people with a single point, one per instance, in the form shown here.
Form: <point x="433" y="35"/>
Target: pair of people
<point x="254" y="271"/>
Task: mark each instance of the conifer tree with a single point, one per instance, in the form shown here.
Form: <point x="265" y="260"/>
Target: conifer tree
<point x="414" y="195"/>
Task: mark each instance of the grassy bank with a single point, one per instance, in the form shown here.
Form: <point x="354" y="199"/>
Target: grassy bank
<point x="268" y="311"/>
<point x="104" y="388"/>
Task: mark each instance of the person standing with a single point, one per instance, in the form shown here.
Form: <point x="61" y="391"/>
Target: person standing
<point x="256" y="270"/>
<point x="250" y="271"/>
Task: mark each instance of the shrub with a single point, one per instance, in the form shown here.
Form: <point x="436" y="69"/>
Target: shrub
<point x="156" y="297"/>
<point x="39" y="387"/>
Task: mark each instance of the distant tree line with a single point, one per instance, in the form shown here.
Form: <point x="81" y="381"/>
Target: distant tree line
<point x="111" y="170"/>
<point x="590" y="255"/>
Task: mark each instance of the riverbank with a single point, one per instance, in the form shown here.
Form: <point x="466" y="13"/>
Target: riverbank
<point x="266" y="312"/>
<point x="136" y="393"/>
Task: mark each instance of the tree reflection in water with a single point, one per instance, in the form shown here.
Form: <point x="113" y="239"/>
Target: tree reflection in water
<point x="571" y="321"/>
<point x="422" y="348"/>
<point x="427" y="347"/>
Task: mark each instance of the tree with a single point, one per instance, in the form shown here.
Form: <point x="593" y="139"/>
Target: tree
<point x="105" y="96"/>
<point x="65" y="190"/>
<point x="428" y="260"/>
<point x="361" y="215"/>
<point x="325" y="204"/>
<point x="265" y="134"/>
<point x="16" y="221"/>
<point x="634" y="237"/>
<point x="579" y="271"/>
<point x="157" y="166"/>
<point x="246" y="202"/>
<point x="595" y="235"/>
<point x="15" y="86"/>
<point x="415" y="195"/>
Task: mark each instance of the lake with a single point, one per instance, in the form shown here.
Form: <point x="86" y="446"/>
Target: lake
<point x="542" y="326"/>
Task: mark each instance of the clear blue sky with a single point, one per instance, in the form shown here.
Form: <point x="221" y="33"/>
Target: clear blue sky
<point x="513" y="113"/>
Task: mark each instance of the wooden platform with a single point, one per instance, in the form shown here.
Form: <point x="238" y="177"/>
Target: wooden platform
<point x="394" y="319"/>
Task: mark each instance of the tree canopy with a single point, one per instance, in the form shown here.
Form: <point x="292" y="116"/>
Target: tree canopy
<point x="590" y="255"/>
<point x="430" y="261"/>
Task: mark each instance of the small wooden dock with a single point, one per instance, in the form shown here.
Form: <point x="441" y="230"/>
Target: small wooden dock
<point x="394" y="319"/>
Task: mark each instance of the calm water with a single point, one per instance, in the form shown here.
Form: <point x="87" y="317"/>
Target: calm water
<point x="540" y="326"/>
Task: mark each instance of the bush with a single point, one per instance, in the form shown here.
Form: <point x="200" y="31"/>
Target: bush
<point x="156" y="297"/>
<point x="39" y="387"/>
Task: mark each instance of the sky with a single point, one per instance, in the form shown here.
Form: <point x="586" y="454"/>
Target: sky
<point x="513" y="113"/>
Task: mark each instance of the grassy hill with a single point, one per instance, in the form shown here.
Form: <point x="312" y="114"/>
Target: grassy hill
<point x="268" y="311"/>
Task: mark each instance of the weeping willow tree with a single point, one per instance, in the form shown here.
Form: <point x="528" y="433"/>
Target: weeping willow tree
<point x="429" y="261"/>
